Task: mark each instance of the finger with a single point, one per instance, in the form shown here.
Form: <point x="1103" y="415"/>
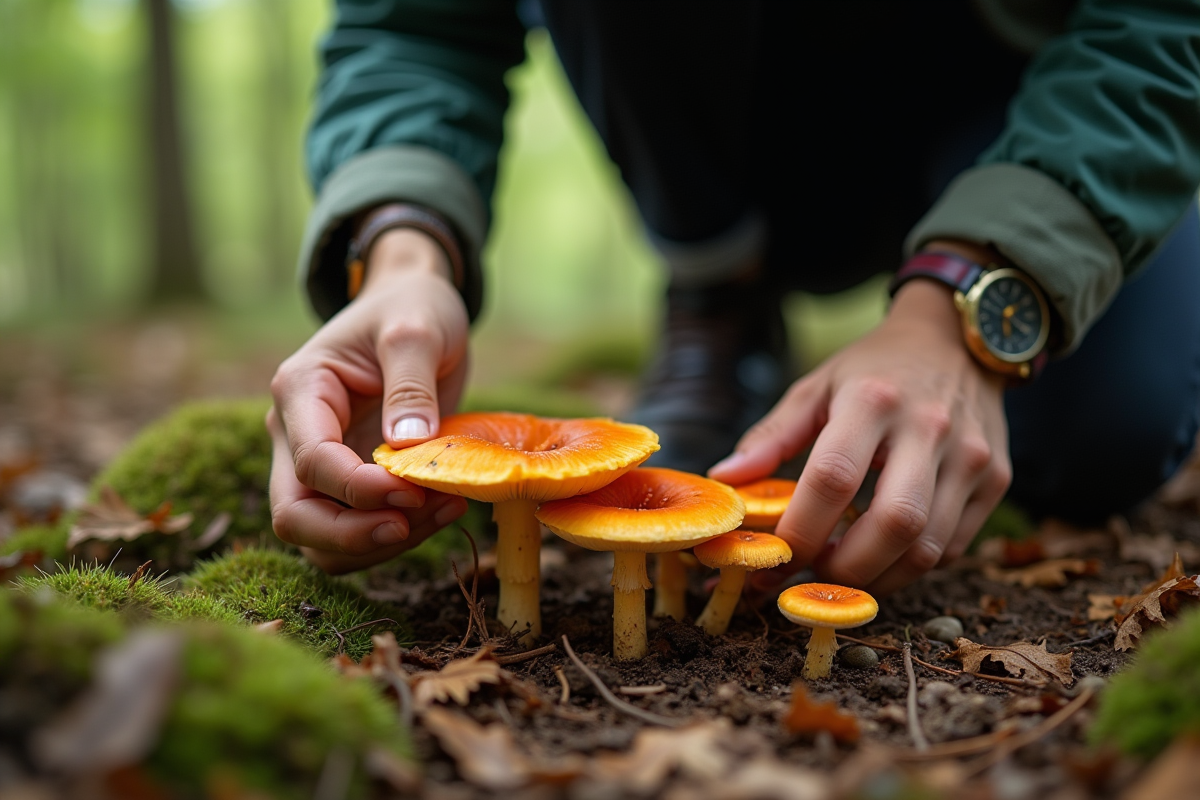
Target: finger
<point x="782" y="434"/>
<point x="927" y="551"/>
<point x="410" y="355"/>
<point x="313" y="409"/>
<point x="447" y="508"/>
<point x="982" y="503"/>
<point x="833" y="474"/>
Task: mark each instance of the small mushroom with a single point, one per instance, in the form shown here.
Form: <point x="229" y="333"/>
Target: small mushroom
<point x="765" y="500"/>
<point x="825" y="607"/>
<point x="735" y="553"/>
<point x="670" y="584"/>
<point x="516" y="461"/>
<point x="646" y="510"/>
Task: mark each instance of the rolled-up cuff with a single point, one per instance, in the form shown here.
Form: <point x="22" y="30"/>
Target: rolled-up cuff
<point x="716" y="260"/>
<point x="402" y="173"/>
<point x="1041" y="227"/>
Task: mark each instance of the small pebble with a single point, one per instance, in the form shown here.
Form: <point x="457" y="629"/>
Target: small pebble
<point x="934" y="691"/>
<point x="943" y="629"/>
<point x="859" y="656"/>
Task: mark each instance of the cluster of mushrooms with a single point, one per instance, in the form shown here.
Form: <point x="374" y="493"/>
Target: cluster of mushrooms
<point x="581" y="479"/>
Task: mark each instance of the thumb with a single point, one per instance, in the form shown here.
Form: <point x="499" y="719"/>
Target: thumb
<point x="410" y="396"/>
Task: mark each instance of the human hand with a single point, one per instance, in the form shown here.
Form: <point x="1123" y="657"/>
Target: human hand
<point x="387" y="366"/>
<point x="907" y="399"/>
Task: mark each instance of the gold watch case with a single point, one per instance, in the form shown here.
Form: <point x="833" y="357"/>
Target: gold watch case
<point x="1017" y="364"/>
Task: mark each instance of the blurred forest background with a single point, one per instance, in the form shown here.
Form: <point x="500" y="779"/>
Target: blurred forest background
<point x="154" y="196"/>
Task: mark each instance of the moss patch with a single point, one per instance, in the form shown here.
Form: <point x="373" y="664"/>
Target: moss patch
<point x="1157" y="698"/>
<point x="263" y="585"/>
<point x="49" y="540"/>
<point x="1006" y="522"/>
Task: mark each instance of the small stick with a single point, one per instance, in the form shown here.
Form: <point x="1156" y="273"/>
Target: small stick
<point x="613" y="700"/>
<point x="914" y="722"/>
<point x="341" y="635"/>
<point x="1108" y="634"/>
<point x="565" y="694"/>
<point x="960" y="747"/>
<point x="1015" y="743"/>
<point x="473" y="608"/>
<point x="642" y="690"/>
<point x="517" y="658"/>
<point x="943" y="670"/>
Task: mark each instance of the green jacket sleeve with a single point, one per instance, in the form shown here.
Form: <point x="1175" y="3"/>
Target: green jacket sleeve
<point x="1099" y="159"/>
<point x="410" y="106"/>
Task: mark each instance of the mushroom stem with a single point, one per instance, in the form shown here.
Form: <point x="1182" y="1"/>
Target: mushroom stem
<point x="714" y="619"/>
<point x="822" y="646"/>
<point x="670" y="586"/>
<point x="518" y="549"/>
<point x="629" y="582"/>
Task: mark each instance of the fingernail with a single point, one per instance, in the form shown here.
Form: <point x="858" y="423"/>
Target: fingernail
<point x="388" y="533"/>
<point x="732" y="461"/>
<point x="410" y="428"/>
<point x="404" y="499"/>
<point x="449" y="512"/>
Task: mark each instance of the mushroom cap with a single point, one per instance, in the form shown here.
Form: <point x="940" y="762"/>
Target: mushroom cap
<point x="499" y="456"/>
<point x="649" y="510"/>
<point x="827" y="605"/>
<point x="765" y="500"/>
<point x="746" y="549"/>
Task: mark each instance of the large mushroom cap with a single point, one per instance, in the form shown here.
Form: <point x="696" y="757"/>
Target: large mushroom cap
<point x="746" y="549"/>
<point x="649" y="510"/>
<point x="827" y="605"/>
<point x="500" y="456"/>
<point x="765" y="500"/>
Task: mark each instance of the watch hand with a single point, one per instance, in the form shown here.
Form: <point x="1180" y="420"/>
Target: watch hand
<point x="1021" y="326"/>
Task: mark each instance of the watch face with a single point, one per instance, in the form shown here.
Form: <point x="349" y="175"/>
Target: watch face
<point x="1011" y="318"/>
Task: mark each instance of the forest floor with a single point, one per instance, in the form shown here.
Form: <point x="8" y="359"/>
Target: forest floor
<point x="702" y="716"/>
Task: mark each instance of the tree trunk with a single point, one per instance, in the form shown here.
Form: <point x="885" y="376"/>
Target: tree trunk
<point x="176" y="266"/>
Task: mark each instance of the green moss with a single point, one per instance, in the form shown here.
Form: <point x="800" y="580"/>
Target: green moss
<point x="1006" y="522"/>
<point x="49" y="540"/>
<point x="254" y="710"/>
<point x="206" y="458"/>
<point x="263" y="585"/>
<point x="95" y="586"/>
<point x="1157" y="698"/>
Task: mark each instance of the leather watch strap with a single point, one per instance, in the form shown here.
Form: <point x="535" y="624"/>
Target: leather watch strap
<point x="401" y="215"/>
<point x="953" y="270"/>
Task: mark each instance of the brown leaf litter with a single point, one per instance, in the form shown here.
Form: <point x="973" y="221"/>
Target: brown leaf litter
<point x="111" y="519"/>
<point x="1154" y="604"/>
<point x="1024" y="660"/>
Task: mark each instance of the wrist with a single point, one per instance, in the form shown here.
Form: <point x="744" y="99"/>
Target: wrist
<point x="385" y="222"/>
<point x="405" y="251"/>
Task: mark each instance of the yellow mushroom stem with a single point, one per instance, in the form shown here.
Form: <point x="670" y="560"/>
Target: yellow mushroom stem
<point x="518" y="567"/>
<point x="714" y="619"/>
<point x="629" y="582"/>
<point x="822" y="646"/>
<point x="670" y="586"/>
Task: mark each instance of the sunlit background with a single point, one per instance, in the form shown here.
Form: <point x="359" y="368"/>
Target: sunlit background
<point x="85" y="283"/>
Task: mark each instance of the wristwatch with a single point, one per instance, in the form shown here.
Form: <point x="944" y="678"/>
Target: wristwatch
<point x="1005" y="316"/>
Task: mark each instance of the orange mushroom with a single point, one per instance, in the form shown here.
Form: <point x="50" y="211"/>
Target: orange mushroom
<point x="735" y="553"/>
<point x="670" y="583"/>
<point x="765" y="500"/>
<point x="647" y="510"/>
<point x="824" y="607"/>
<point x="515" y="462"/>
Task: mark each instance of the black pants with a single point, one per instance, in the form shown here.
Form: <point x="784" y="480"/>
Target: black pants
<point x="813" y="135"/>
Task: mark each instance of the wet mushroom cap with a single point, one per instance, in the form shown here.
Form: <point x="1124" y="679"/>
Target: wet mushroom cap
<point x="827" y="605"/>
<point x="650" y="509"/>
<point x="501" y="456"/>
<point x="765" y="500"/>
<point x="746" y="549"/>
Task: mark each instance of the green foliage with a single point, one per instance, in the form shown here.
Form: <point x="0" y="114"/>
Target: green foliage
<point x="95" y="586"/>
<point x="49" y="540"/>
<point x="1006" y="522"/>
<point x="1157" y="698"/>
<point x="264" y="585"/>
<point x="206" y="457"/>
<point x="530" y="399"/>
<point x="252" y="709"/>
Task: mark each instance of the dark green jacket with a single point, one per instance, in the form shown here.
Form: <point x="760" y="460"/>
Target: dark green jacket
<point x="1099" y="159"/>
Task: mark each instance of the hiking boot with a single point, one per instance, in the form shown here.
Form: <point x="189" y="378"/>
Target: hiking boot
<point x="722" y="363"/>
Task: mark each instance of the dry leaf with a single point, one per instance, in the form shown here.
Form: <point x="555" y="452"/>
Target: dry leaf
<point x="1156" y="601"/>
<point x="806" y="716"/>
<point x="992" y="605"/>
<point x="271" y="626"/>
<point x="456" y="680"/>
<point x="765" y="778"/>
<point x="111" y="519"/>
<point x="1044" y="573"/>
<point x="1101" y="607"/>
<point x="1019" y="659"/>
<point x="698" y="750"/>
<point x="489" y="757"/>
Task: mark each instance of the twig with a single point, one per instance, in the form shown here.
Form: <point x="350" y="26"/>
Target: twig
<point x="517" y="658"/>
<point x="943" y="670"/>
<point x="341" y="635"/>
<point x="1009" y="746"/>
<point x="613" y="700"/>
<point x="960" y="747"/>
<point x="565" y="694"/>
<point x="473" y="607"/>
<point x="914" y="722"/>
<point x="1108" y="634"/>
<point x="641" y="691"/>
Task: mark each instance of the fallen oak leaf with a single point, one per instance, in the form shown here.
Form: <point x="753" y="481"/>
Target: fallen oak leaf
<point x="1156" y="601"/>
<point x="456" y="681"/>
<point x="1024" y="660"/>
<point x="111" y="518"/>
<point x="1101" y="607"/>
<point x="1052" y="572"/>
<point x="806" y="716"/>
